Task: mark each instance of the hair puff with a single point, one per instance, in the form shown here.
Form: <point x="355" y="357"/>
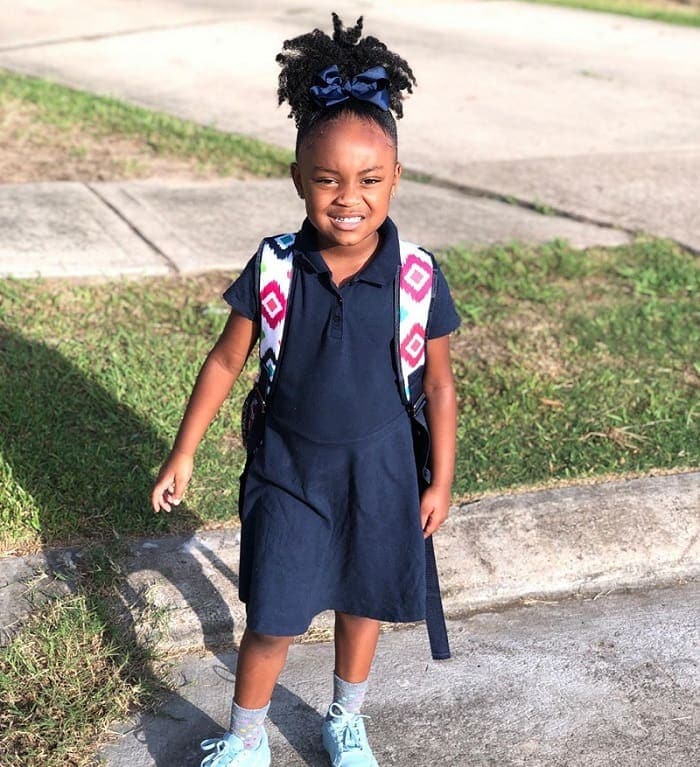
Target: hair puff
<point x="305" y="56"/>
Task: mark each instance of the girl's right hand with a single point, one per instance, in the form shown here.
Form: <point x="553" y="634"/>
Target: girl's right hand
<point x="172" y="481"/>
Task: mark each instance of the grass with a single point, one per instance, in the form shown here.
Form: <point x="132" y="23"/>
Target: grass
<point x="93" y="380"/>
<point x="65" y="109"/>
<point x="686" y="14"/>
<point x="60" y="659"/>
<point x="570" y="364"/>
<point x="577" y="364"/>
<point x="72" y="670"/>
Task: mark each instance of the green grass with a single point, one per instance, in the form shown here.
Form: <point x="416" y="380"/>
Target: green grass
<point x="583" y="363"/>
<point x="64" y="108"/>
<point x="76" y="666"/>
<point x="570" y="364"/>
<point x="93" y="380"/>
<point x="63" y="679"/>
<point x="688" y="16"/>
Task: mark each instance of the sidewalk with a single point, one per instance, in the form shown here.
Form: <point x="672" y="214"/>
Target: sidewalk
<point x="554" y="662"/>
<point x="150" y="227"/>
<point x="590" y="114"/>
<point x="581" y="683"/>
<point x="550" y="544"/>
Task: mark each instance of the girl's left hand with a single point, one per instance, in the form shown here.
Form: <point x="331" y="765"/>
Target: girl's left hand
<point x="434" y="508"/>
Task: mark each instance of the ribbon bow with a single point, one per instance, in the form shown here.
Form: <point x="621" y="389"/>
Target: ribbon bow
<point x="370" y="85"/>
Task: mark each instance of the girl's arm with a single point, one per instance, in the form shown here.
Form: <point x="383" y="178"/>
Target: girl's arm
<point x="218" y="374"/>
<point x="441" y="415"/>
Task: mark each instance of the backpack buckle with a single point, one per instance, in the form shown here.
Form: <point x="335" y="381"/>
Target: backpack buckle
<point x="415" y="407"/>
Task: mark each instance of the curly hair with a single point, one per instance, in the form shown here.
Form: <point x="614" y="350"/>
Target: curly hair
<point x="305" y="56"/>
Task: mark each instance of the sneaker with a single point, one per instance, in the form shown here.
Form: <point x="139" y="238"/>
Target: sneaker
<point x="345" y="739"/>
<point x="229" y="752"/>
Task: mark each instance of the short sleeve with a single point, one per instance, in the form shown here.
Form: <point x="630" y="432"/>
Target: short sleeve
<point x="443" y="317"/>
<point x="242" y="294"/>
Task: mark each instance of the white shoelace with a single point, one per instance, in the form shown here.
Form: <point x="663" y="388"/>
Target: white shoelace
<point x="224" y="753"/>
<point x="345" y="731"/>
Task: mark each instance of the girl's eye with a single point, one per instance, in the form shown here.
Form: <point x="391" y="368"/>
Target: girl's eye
<point x="371" y="180"/>
<point x="325" y="181"/>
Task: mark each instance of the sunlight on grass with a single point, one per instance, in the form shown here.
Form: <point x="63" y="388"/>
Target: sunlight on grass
<point x="568" y="364"/>
<point x="64" y="108"/>
<point x="61" y="683"/>
<point x="671" y="13"/>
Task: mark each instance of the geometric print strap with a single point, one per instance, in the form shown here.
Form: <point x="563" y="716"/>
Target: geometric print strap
<point x="276" y="257"/>
<point x="415" y="294"/>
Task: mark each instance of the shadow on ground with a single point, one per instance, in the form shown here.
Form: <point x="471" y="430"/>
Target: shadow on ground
<point x="87" y="461"/>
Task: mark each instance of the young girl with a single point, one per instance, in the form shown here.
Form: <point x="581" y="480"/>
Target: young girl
<point x="331" y="513"/>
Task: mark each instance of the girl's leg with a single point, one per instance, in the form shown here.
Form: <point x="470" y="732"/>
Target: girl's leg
<point x="261" y="659"/>
<point x="355" y="645"/>
<point x="343" y="731"/>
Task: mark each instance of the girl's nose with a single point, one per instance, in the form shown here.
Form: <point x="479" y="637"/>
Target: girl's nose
<point x="348" y="195"/>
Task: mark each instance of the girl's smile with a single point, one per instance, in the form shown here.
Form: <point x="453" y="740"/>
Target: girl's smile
<point x="347" y="174"/>
<point x="347" y="223"/>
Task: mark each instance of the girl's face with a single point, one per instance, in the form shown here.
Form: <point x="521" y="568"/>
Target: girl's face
<point x="347" y="173"/>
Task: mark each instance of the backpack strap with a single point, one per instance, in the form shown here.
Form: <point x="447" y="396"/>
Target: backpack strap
<point x="276" y="256"/>
<point x="414" y="294"/>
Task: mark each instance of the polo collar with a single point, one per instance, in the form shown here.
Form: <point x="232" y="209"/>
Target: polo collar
<point x="381" y="269"/>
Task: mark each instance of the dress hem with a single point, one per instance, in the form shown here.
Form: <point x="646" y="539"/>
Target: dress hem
<point x="279" y="632"/>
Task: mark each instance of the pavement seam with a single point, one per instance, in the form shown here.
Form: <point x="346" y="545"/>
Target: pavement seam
<point x="170" y="264"/>
<point x="108" y="35"/>
<point x="510" y="199"/>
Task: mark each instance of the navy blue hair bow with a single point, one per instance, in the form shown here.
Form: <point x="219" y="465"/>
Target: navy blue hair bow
<point x="367" y="86"/>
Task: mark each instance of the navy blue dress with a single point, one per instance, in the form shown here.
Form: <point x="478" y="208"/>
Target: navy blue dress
<point x="330" y="510"/>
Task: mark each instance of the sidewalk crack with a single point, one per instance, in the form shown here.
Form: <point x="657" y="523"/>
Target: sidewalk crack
<point x="171" y="265"/>
<point x="510" y="199"/>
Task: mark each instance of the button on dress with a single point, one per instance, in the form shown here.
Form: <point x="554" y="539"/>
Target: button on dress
<point x="329" y="504"/>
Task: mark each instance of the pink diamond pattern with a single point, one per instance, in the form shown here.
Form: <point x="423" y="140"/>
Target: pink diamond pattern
<point x="416" y="278"/>
<point x="413" y="344"/>
<point x="273" y="304"/>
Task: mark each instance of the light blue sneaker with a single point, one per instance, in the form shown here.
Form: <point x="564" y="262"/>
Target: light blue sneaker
<point x="229" y="752"/>
<point x="345" y="739"/>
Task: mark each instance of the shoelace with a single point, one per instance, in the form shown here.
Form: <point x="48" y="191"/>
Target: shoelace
<point x="349" y="736"/>
<point x="222" y="748"/>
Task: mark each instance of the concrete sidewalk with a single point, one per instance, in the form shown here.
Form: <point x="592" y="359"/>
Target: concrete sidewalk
<point x="592" y="114"/>
<point x="151" y="227"/>
<point x="608" y="677"/>
<point x="581" y="683"/>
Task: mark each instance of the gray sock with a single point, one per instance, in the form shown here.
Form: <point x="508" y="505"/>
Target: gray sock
<point x="246" y="723"/>
<point x="350" y="696"/>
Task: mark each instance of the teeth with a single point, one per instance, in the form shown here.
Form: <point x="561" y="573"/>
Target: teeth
<point x="348" y="220"/>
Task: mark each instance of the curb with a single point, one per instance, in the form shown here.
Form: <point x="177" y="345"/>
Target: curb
<point x="550" y="544"/>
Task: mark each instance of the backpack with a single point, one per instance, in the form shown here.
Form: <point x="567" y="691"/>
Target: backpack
<point x="413" y="291"/>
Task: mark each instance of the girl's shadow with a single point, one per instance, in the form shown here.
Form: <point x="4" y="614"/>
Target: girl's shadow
<point x="86" y="460"/>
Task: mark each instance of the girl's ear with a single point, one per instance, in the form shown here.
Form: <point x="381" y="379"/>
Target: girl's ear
<point x="296" y="178"/>
<point x="398" y="169"/>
